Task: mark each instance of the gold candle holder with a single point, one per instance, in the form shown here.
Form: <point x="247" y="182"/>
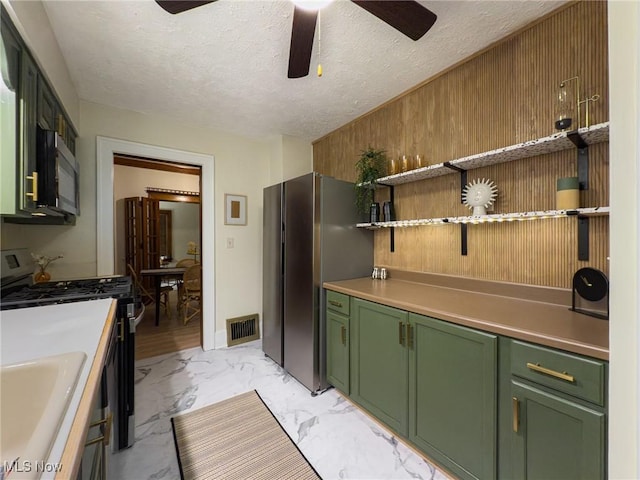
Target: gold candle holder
<point x="406" y="163"/>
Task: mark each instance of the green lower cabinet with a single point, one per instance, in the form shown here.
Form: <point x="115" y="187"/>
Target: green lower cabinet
<point x="338" y="351"/>
<point x="453" y="396"/>
<point x="556" y="438"/>
<point x="379" y="362"/>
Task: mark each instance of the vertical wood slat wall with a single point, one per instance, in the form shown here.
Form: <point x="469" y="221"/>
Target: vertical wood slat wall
<point x="505" y="95"/>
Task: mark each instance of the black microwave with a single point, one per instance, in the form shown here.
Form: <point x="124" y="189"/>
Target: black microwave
<point x="58" y="176"/>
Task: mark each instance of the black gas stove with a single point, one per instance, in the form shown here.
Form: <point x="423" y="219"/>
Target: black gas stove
<point x="66" y="291"/>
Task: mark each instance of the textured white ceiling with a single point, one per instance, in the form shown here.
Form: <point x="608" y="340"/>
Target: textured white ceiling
<point x="224" y="65"/>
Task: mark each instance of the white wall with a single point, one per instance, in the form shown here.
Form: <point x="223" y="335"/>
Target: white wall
<point x="297" y="157"/>
<point x="241" y="167"/>
<point x="624" y="59"/>
<point x="290" y="158"/>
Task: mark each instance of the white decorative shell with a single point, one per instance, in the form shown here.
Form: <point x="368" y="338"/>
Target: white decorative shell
<point x="479" y="194"/>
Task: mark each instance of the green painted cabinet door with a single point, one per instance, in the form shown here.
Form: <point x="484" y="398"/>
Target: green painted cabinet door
<point x="338" y="351"/>
<point x="453" y="395"/>
<point x="47" y="106"/>
<point x="555" y="438"/>
<point x="10" y="74"/>
<point x="379" y="362"/>
<point x="29" y="98"/>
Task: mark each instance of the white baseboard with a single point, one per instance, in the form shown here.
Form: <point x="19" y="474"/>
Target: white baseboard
<point x="220" y="340"/>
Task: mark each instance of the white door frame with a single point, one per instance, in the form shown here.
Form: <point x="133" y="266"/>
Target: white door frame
<point x="106" y="148"/>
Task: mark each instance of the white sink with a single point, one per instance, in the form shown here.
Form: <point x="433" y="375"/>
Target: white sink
<point x="34" y="396"/>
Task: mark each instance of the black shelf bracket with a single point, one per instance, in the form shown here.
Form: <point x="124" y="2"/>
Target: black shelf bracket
<point x="392" y="230"/>
<point x="583" y="238"/>
<point x="463" y="239"/>
<point x="583" y="180"/>
<point x="463" y="226"/>
<point x="583" y="158"/>
<point x="463" y="176"/>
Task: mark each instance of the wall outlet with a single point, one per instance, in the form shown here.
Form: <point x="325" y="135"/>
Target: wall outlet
<point x="230" y="242"/>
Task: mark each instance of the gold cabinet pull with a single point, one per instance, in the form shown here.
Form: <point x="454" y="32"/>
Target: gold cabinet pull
<point x="343" y="334"/>
<point x="335" y="304"/>
<point x="516" y="413"/>
<point x="106" y="434"/>
<point x="536" y="367"/>
<point x="34" y="186"/>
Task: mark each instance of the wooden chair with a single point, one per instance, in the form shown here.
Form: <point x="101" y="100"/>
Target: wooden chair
<point x="185" y="262"/>
<point x="148" y="297"/>
<point x="191" y="297"/>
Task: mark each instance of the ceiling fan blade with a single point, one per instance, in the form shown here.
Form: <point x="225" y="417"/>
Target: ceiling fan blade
<point x="179" y="6"/>
<point x="406" y="16"/>
<point x="302" y="32"/>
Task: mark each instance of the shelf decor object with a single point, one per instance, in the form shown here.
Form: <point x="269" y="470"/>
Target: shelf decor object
<point x="371" y="165"/>
<point x="567" y="106"/>
<point x="590" y="286"/>
<point x="479" y="195"/>
<point x="567" y="193"/>
<point x="43" y="262"/>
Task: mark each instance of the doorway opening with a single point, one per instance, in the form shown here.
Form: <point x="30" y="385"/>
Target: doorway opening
<point x="105" y="221"/>
<point x="158" y="229"/>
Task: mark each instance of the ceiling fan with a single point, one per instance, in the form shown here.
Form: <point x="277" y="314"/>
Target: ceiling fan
<point x="406" y="16"/>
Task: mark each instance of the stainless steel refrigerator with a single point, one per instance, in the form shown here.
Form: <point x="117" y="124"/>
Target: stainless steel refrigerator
<point x="309" y="237"/>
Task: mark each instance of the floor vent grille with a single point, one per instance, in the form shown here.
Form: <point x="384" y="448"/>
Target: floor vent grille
<point x="242" y="329"/>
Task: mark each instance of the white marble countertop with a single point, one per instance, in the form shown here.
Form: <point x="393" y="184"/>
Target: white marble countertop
<point x="30" y="333"/>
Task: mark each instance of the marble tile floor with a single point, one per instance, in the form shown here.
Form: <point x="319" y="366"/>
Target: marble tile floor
<point x="338" y="440"/>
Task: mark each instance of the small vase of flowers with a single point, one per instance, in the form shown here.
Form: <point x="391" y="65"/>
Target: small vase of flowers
<point x="43" y="261"/>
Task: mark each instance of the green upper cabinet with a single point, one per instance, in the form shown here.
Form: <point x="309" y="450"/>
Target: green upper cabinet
<point x="453" y="395"/>
<point x="47" y="106"/>
<point x="555" y="438"/>
<point x="27" y="179"/>
<point x="27" y="100"/>
<point x="379" y="362"/>
<point x="18" y="117"/>
<point x="10" y="56"/>
<point x="338" y="351"/>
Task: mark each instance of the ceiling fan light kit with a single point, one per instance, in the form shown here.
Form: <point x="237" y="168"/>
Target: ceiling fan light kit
<point x="407" y="16"/>
<point x="311" y="4"/>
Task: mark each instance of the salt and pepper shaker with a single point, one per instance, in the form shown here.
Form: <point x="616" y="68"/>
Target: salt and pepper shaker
<point x="379" y="272"/>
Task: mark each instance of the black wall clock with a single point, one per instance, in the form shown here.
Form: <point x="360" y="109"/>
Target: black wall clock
<point x="592" y="285"/>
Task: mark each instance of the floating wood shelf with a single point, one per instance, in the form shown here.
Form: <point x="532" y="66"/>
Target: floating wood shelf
<point x="579" y="139"/>
<point x="541" y="146"/>
<point x="491" y="218"/>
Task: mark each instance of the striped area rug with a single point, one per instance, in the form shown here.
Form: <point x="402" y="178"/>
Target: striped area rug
<point x="238" y="438"/>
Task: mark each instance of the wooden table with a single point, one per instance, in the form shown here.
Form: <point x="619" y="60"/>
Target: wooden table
<point x="158" y="274"/>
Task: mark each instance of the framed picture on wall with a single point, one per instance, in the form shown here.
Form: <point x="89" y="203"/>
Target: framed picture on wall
<point x="235" y="209"/>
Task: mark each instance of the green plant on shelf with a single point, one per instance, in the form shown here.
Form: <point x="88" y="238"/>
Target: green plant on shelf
<point x="371" y="165"/>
